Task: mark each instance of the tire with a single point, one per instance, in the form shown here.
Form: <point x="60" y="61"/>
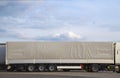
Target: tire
<point x="10" y="68"/>
<point x="31" y="68"/>
<point x="41" y="68"/>
<point x="95" y="68"/>
<point x="88" y="68"/>
<point x="52" y="68"/>
<point x="117" y="69"/>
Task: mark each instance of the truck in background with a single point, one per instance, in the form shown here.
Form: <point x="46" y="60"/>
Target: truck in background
<point x="51" y="56"/>
<point x="2" y="56"/>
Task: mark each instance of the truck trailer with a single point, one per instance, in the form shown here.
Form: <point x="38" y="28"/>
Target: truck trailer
<point x="53" y="56"/>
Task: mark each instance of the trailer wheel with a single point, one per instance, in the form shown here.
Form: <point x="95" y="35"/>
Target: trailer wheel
<point x="52" y="68"/>
<point x="10" y="68"/>
<point x="41" y="68"/>
<point x="88" y="68"/>
<point x="95" y="68"/>
<point x="117" y="69"/>
<point x="31" y="68"/>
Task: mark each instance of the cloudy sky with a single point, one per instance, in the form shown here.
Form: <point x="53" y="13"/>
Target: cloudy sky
<point x="59" y="20"/>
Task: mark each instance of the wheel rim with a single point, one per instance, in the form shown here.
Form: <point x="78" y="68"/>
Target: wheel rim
<point x="31" y="68"/>
<point x="41" y="68"/>
<point x="52" y="68"/>
<point x="95" y="68"/>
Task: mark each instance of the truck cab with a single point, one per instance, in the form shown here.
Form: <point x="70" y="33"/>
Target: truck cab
<point x="117" y="54"/>
<point x="117" y="57"/>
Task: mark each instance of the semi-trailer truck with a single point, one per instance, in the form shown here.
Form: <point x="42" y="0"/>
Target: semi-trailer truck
<point x="51" y="56"/>
<point x="2" y="56"/>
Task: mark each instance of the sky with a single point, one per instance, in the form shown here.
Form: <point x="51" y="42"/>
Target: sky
<point x="59" y="20"/>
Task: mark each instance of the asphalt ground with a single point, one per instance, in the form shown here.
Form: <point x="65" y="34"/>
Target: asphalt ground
<point x="71" y="74"/>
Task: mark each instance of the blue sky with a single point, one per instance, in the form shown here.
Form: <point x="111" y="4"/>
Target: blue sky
<point x="59" y="20"/>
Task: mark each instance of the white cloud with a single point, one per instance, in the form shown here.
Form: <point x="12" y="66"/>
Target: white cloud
<point x="70" y="35"/>
<point x="30" y="35"/>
